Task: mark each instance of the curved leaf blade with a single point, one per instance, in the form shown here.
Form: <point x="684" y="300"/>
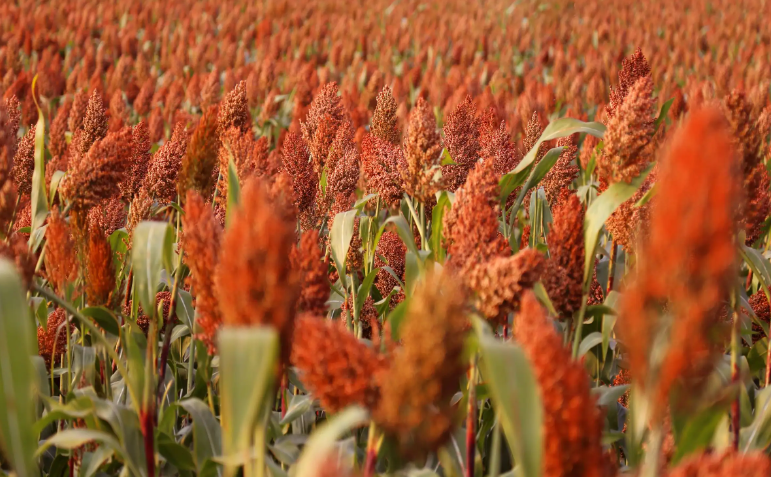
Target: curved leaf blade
<point x="325" y="437"/>
<point x="560" y="128"/>
<point x="151" y="252"/>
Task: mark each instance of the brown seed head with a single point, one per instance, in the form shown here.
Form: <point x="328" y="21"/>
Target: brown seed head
<point x="382" y="163"/>
<point x="461" y="137"/>
<point x="24" y="163"/>
<point x="308" y="260"/>
<point x="201" y="156"/>
<point x="100" y="279"/>
<point x="94" y="123"/>
<point x="163" y="172"/>
<point x="254" y="279"/>
<point x="94" y="177"/>
<point x="390" y="252"/>
<point x="61" y="263"/>
<point x="751" y="464"/>
<point x="58" y="141"/>
<point x="52" y="345"/>
<point x="688" y="262"/>
<point x="572" y="427"/>
<point x="566" y="249"/>
<point x="496" y="144"/>
<point x="201" y="242"/>
<point x="15" y="249"/>
<point x="334" y="366"/>
<point x="140" y="161"/>
<point x="234" y="111"/>
<point x="562" y="174"/>
<point x="629" y="137"/>
<point x="325" y="103"/>
<point x="421" y="418"/>
<point x="632" y="69"/>
<point x="298" y="165"/>
<point x="384" y="119"/>
<point x="500" y="282"/>
<point x="422" y="151"/>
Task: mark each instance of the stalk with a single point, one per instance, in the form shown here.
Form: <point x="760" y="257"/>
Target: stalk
<point x="735" y="409"/>
<point x="612" y="265"/>
<point x="495" y="451"/>
<point x="650" y="466"/>
<point x="372" y="449"/>
<point x="579" y="326"/>
<point x="471" y="419"/>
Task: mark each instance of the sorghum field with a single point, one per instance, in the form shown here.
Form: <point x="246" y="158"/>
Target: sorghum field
<point x="385" y="238"/>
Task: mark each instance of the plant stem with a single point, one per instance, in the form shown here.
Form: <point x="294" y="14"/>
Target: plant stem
<point x="579" y="326"/>
<point x="650" y="466"/>
<point x="495" y="456"/>
<point x="369" y="465"/>
<point x="735" y="409"/>
<point x="471" y="418"/>
<point x="612" y="265"/>
<point x="190" y="362"/>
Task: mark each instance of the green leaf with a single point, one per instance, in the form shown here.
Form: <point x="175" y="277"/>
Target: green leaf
<point x="608" y="321"/>
<point x="75" y="438"/>
<point x="510" y="181"/>
<point x="590" y="341"/>
<point x="340" y="236"/>
<point x="560" y="128"/>
<point x="176" y="454"/>
<point x="184" y="308"/>
<point x="514" y="391"/>
<point x="697" y="432"/>
<point x="405" y="232"/>
<point x="151" y="251"/>
<point x="646" y="197"/>
<point x="324" y="439"/>
<point x="437" y="218"/>
<point x="757" y="436"/>
<point x="248" y="358"/>
<point x="17" y="373"/>
<point x="447" y="159"/>
<point x="207" y="434"/>
<point x="38" y="197"/>
<point x="56" y="178"/>
<point x="598" y="213"/>
<point x="663" y="113"/>
<point x="363" y="292"/>
<point x="92" y="461"/>
<point x="298" y="405"/>
<point x="234" y="189"/>
<point x="103" y="317"/>
<point x="608" y="395"/>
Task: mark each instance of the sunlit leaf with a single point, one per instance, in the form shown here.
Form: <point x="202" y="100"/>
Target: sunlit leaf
<point x="38" y="197"/>
<point x="151" y="251"/>
<point x="325" y="437"/>
<point x="560" y="128"/>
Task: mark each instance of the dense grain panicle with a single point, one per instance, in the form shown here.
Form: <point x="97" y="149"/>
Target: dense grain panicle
<point x="499" y="283"/>
<point x="334" y="366"/>
<point x="629" y="224"/>
<point x="61" y="264"/>
<point x="629" y="137"/>
<point x="390" y="252"/>
<point x="57" y="143"/>
<point x="632" y="69"/>
<point x="109" y="216"/>
<point x="16" y="249"/>
<point x="723" y="464"/>
<point x="163" y="172"/>
<point x="746" y="135"/>
<point x="201" y="242"/>
<point x="562" y="174"/>
<point x="24" y="163"/>
<point x="461" y="137"/>
<point x="345" y="175"/>
<point x="52" y="342"/>
<point x="421" y="418"/>
<point x="688" y="261"/>
<point x="80" y="104"/>
<point x="566" y="249"/>
<point x="588" y="151"/>
<point x="140" y="161"/>
<point x="100" y="271"/>
<point x="496" y="145"/>
<point x="297" y="163"/>
<point x="382" y="163"/>
<point x="234" y="111"/>
<point x="422" y="152"/>
<point x="143" y="319"/>
<point x="94" y="177"/>
<point x="572" y="427"/>
<point x="384" y="118"/>
<point x="141" y="209"/>
<point x="254" y="281"/>
<point x="325" y="103"/>
<point x="308" y="260"/>
<point x="761" y="308"/>
<point x="94" y="123"/>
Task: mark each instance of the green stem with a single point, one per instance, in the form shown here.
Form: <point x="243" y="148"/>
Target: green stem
<point x="495" y="456"/>
<point x="650" y="466"/>
<point x="50" y="296"/>
<point x="735" y="407"/>
<point x="415" y="217"/>
<point x="579" y="325"/>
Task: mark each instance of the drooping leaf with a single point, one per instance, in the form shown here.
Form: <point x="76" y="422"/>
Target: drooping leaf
<point x="234" y="190"/>
<point x="151" y="252"/>
<point x="103" y="317"/>
<point x="325" y="437"/>
<point x="405" y="232"/>
<point x="562" y="127"/>
<point x="38" y="197"/>
<point x="340" y="236"/>
<point x="17" y="374"/>
<point x="247" y="369"/>
<point x="56" y="178"/>
<point x="598" y="213"/>
<point x="663" y="113"/>
<point x="437" y="217"/>
<point x="588" y="342"/>
<point x="515" y="396"/>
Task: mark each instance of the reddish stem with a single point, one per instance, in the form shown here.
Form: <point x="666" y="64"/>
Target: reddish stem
<point x="505" y="331"/>
<point x="369" y="465"/>
<point x="735" y="422"/>
<point x="147" y="424"/>
<point x="612" y="265"/>
<point x="471" y="424"/>
<point x="749" y="280"/>
<point x="283" y="395"/>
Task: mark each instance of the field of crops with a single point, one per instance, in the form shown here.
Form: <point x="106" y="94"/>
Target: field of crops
<point x="290" y="238"/>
